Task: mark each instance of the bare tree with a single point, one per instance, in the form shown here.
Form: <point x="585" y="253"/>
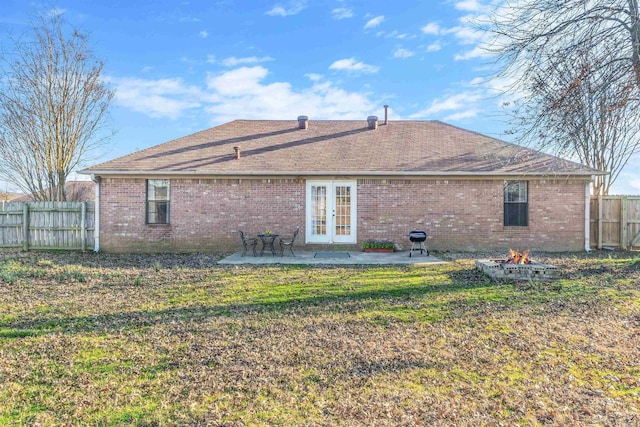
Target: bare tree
<point x="580" y="115"/>
<point x="529" y="33"/>
<point x="53" y="105"/>
<point x="574" y="67"/>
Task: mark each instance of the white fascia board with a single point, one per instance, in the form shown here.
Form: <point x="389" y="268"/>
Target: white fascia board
<point x="334" y="173"/>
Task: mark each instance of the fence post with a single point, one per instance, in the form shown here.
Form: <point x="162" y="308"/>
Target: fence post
<point x="25" y="227"/>
<point x="624" y="221"/>
<point x="83" y="225"/>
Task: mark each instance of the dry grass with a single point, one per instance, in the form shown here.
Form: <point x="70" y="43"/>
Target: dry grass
<point x="176" y="340"/>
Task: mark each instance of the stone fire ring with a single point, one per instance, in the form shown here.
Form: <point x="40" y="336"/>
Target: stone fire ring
<point x="499" y="269"/>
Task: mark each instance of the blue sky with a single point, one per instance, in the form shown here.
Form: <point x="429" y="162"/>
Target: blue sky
<point x="182" y="66"/>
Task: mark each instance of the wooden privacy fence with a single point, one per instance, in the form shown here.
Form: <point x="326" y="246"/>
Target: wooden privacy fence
<point x="47" y="225"/>
<point x="615" y="221"/>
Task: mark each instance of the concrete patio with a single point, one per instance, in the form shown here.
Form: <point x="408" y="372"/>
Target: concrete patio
<point x="332" y="258"/>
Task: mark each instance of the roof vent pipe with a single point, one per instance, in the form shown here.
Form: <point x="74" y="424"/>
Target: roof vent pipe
<point x="386" y="114"/>
<point x="303" y="122"/>
<point x="237" y="150"/>
<point x="372" y="122"/>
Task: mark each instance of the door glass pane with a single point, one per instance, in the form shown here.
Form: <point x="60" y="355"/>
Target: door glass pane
<point x="343" y="210"/>
<point x="319" y="210"/>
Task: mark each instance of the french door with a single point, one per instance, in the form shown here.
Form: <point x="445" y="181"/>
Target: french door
<point x="331" y="212"/>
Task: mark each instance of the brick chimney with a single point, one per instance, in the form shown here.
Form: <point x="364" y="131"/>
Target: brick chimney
<point x="372" y="122"/>
<point x="237" y="150"/>
<point x="303" y="122"/>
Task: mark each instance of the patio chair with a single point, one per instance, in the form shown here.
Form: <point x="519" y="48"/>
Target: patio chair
<point x="248" y="242"/>
<point x="289" y="242"/>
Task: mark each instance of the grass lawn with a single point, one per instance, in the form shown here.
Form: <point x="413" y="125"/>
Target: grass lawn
<point x="175" y="340"/>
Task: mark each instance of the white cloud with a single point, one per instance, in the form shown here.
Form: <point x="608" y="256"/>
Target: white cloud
<point x="628" y="182"/>
<point x="434" y="47"/>
<point x="476" y="52"/>
<point x="466" y="35"/>
<point x="350" y="64"/>
<point x="460" y="101"/>
<point x="634" y="183"/>
<point x="314" y="77"/>
<point x="461" y="115"/>
<point x="164" y="98"/>
<point x="403" y="53"/>
<point x="374" y="22"/>
<point x="211" y="59"/>
<point x="395" y="34"/>
<point x="242" y="93"/>
<point x="238" y="82"/>
<point x="292" y="8"/>
<point x="470" y="6"/>
<point x="232" y="61"/>
<point x="278" y="11"/>
<point x="342" y="13"/>
<point x="431" y="28"/>
<point x="203" y="34"/>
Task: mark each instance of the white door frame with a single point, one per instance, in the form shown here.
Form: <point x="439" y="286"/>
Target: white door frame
<point x="330" y="213"/>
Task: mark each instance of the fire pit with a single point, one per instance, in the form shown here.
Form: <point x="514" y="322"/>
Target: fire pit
<point x="517" y="267"/>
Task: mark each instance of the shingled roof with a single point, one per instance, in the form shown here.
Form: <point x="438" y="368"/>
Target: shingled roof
<point x="280" y="147"/>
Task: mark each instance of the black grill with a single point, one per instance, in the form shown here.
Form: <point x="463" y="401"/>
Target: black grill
<point x="417" y="236"/>
<point x="417" y="241"/>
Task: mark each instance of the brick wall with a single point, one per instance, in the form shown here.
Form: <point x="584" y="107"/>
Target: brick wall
<point x="206" y="214"/>
<point x="456" y="214"/>
<point x="468" y="214"/>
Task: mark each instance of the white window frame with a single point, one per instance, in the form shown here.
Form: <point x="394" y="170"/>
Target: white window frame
<point x="151" y="197"/>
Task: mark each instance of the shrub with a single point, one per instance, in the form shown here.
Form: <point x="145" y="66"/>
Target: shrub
<point x="379" y="244"/>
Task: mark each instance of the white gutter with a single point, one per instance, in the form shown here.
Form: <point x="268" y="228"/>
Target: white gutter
<point x="587" y="217"/>
<point x="96" y="218"/>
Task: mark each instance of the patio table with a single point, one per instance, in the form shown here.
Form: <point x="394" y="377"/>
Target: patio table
<point x="267" y="242"/>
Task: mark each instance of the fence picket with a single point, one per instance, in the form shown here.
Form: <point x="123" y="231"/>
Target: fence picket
<point x="47" y="225"/>
<point x="615" y="221"/>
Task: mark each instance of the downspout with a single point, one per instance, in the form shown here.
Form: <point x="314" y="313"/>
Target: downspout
<point x="96" y="213"/>
<point x="587" y="217"/>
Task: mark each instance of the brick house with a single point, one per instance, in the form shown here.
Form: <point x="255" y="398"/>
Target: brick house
<point x="343" y="182"/>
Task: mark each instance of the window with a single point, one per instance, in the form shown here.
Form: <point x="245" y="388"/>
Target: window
<point x="516" y="206"/>
<point x="158" y="201"/>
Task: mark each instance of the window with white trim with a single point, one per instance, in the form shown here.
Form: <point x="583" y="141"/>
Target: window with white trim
<point x="516" y="204"/>
<point x="157" y="201"/>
